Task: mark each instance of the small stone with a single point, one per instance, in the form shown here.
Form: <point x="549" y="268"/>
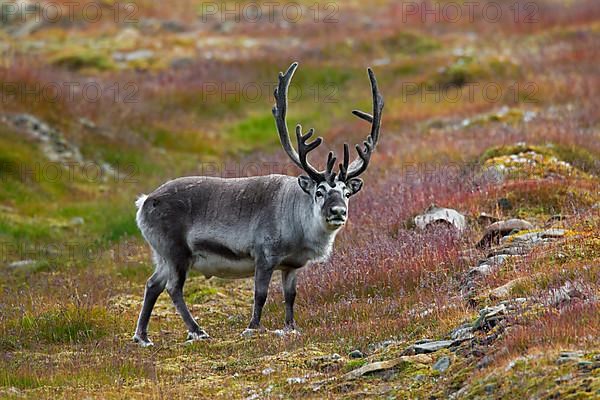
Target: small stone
<point x="419" y="378"/>
<point x="268" y="371"/>
<point x="296" y="380"/>
<point x="442" y="364"/>
<point x="356" y="354"/>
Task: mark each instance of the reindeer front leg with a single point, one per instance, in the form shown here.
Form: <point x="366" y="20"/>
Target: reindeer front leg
<point x="262" y="278"/>
<point x="288" y="284"/>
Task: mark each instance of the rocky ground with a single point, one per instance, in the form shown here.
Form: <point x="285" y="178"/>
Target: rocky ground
<point x="470" y="267"/>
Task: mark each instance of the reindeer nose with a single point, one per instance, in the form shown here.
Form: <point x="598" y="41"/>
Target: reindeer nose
<point x="338" y="211"/>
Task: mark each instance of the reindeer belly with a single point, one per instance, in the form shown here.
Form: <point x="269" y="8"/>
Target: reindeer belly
<point x="214" y="258"/>
<point x="216" y="265"/>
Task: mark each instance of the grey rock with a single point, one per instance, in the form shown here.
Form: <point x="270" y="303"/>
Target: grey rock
<point x="527" y="238"/>
<point x="381" y="345"/>
<point x="356" y="354"/>
<point x="52" y="142"/>
<point x="464" y="332"/>
<point x="22" y="264"/>
<point x="569" y="356"/>
<point x="488" y="265"/>
<point x="497" y="260"/>
<point x="495" y="231"/>
<point x="372" y="367"/>
<point x="442" y="364"/>
<point x="136" y="55"/>
<point x="436" y="214"/>
<point x="565" y="293"/>
<point x="432" y="347"/>
<point x="482" y="269"/>
<point x="489" y="315"/>
<point x="553" y="233"/>
<point x="505" y="290"/>
<point x="512" y="250"/>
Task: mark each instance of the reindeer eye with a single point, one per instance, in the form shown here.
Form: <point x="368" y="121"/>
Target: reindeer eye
<point x="319" y="193"/>
<point x="347" y="194"/>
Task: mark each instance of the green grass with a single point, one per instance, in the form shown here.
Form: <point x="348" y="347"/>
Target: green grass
<point x="246" y="134"/>
<point x="64" y="325"/>
<point x="412" y="43"/>
<point x="79" y="58"/>
<point x="200" y="295"/>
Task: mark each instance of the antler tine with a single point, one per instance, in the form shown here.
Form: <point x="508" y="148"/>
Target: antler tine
<point x="280" y="111"/>
<point x="344" y="165"/>
<point x="304" y="148"/>
<point x="329" y="174"/>
<point x="359" y="165"/>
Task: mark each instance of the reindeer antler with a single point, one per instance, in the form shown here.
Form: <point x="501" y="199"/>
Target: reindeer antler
<point x="298" y="157"/>
<point x="360" y="164"/>
<point x="347" y="171"/>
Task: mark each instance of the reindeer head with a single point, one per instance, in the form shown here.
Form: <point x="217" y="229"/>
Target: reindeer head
<point x="329" y="190"/>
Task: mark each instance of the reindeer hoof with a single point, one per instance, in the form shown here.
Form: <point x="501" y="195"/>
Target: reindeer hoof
<point x="142" y="341"/>
<point x="248" y="332"/>
<point x="197" y="336"/>
<point x="286" y="332"/>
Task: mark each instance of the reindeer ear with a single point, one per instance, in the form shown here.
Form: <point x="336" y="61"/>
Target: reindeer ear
<point x="354" y="184"/>
<point x="306" y="183"/>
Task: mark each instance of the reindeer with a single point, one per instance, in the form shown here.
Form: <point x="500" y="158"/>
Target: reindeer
<point x="243" y="227"/>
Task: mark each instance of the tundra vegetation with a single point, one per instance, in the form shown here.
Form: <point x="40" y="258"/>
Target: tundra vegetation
<point x="397" y="312"/>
